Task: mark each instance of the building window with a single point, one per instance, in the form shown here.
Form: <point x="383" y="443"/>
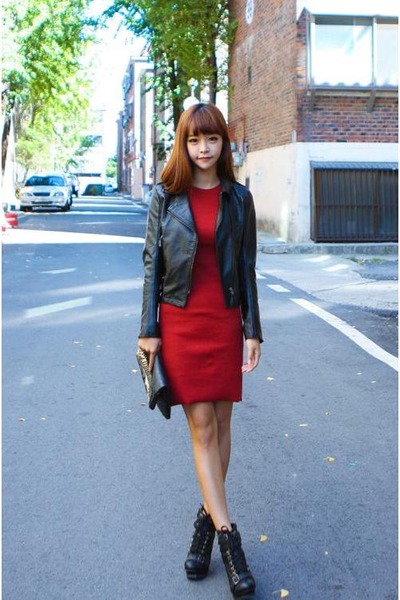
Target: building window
<point x="353" y="52"/>
<point x="386" y="54"/>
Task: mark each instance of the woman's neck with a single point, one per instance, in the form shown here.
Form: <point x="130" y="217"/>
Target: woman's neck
<point x="205" y="180"/>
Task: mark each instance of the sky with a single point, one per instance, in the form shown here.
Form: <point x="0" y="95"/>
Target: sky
<point x="110" y="58"/>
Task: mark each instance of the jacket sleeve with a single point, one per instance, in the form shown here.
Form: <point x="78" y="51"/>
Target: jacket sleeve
<point x="247" y="273"/>
<point x="152" y="262"/>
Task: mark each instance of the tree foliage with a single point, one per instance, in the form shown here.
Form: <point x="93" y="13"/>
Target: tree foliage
<point x="111" y="168"/>
<point x="184" y="39"/>
<point x="45" y="90"/>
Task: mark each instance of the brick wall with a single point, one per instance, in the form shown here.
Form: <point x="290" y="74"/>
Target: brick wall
<point x="262" y="74"/>
<point x="342" y="117"/>
<point x="269" y="99"/>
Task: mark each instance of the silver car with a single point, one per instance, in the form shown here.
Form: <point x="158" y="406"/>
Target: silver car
<point x="47" y="190"/>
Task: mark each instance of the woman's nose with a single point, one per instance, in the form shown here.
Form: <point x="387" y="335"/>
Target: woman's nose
<point x="204" y="145"/>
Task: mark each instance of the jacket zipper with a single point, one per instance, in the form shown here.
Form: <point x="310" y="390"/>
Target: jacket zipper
<point x="194" y="253"/>
<point x="219" y="219"/>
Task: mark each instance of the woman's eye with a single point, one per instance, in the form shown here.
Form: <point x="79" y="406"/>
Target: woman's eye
<point x="192" y="140"/>
<point x="213" y="138"/>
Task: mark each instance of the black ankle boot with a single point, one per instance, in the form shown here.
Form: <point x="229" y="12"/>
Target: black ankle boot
<point x="199" y="555"/>
<point x="241" y="580"/>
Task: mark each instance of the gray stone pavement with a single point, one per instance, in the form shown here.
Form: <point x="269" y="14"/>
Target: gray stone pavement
<point x="364" y="275"/>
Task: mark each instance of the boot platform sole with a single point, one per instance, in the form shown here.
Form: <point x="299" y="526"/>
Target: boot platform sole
<point x="195" y="576"/>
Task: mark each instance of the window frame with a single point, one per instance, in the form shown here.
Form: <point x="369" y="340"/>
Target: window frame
<point x="374" y="21"/>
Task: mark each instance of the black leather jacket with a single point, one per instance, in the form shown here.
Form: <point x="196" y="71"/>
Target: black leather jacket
<point x="170" y="249"/>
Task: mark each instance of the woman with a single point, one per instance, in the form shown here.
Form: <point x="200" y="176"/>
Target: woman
<point x="199" y="301"/>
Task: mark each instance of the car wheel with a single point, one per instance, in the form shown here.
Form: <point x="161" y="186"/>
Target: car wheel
<point x="66" y="207"/>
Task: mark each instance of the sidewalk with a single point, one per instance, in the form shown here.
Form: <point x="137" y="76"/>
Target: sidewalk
<point x="364" y="275"/>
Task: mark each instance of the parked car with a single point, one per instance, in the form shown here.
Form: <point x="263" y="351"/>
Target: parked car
<point x="74" y="183"/>
<point x="47" y="190"/>
<point x="94" y="189"/>
<point x="109" y="189"/>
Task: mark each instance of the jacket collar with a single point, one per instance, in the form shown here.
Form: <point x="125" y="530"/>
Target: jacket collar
<point x="178" y="204"/>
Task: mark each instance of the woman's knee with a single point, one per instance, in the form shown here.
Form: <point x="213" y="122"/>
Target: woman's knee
<point x="203" y="425"/>
<point x="223" y="415"/>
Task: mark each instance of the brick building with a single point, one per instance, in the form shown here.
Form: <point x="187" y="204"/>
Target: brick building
<point x="135" y="130"/>
<point x="314" y="116"/>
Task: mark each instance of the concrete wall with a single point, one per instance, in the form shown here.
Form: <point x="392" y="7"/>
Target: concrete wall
<point x="279" y="179"/>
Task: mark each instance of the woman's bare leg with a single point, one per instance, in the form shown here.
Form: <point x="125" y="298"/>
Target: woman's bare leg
<point x="210" y="433"/>
<point x="223" y="411"/>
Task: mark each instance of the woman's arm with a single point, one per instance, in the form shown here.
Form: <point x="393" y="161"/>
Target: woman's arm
<point x="152" y="262"/>
<point x="247" y="274"/>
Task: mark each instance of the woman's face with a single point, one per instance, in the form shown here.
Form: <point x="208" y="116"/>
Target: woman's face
<point x="204" y="150"/>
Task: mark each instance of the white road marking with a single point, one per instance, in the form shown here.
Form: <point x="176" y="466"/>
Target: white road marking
<point x="259" y="276"/>
<point x="58" y="271"/>
<point x="39" y="311"/>
<point x="34" y="236"/>
<point x="353" y="334"/>
<point x="278" y="288"/>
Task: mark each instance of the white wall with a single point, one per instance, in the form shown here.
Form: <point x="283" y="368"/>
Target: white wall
<point x="280" y="181"/>
<point x="271" y="173"/>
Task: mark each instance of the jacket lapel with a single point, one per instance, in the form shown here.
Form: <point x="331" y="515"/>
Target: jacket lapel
<point x="179" y="207"/>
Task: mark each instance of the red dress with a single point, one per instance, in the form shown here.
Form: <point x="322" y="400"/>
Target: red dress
<point x="202" y="343"/>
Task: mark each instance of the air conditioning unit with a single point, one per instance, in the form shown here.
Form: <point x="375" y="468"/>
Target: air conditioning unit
<point x="238" y="159"/>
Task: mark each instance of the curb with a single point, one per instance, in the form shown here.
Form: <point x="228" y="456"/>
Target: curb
<point x="377" y="249"/>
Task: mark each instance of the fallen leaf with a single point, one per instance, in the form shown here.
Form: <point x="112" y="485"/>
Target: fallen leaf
<point x="270" y="378"/>
<point x="281" y="594"/>
<point x="303" y="425"/>
<point x="43" y="418"/>
<point x="21" y="420"/>
<point x="353" y="463"/>
<point x="135" y="370"/>
<point x="263" y="538"/>
<point x="330" y="459"/>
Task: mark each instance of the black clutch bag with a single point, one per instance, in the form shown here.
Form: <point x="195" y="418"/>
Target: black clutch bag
<point x="155" y="383"/>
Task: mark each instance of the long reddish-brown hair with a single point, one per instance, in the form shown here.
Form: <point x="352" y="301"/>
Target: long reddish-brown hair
<point x="200" y="118"/>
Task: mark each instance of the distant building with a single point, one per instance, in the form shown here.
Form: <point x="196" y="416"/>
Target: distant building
<point x="136" y="130"/>
<point x="91" y="166"/>
<point x="313" y="116"/>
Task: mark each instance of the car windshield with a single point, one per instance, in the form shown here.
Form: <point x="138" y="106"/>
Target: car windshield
<point x="45" y="180"/>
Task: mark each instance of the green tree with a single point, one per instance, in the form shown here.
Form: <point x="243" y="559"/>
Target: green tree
<point x="45" y="89"/>
<point x="184" y="38"/>
<point x="111" y="168"/>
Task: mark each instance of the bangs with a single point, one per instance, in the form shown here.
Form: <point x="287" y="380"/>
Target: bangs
<point x="205" y="121"/>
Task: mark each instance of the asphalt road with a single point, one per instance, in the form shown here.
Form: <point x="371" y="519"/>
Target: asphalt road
<point x="99" y="493"/>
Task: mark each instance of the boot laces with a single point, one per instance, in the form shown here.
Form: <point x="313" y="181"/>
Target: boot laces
<point x="238" y="560"/>
<point x="203" y="535"/>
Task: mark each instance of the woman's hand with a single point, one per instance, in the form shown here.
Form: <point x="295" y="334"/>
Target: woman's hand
<point x="151" y="346"/>
<point x="253" y="355"/>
